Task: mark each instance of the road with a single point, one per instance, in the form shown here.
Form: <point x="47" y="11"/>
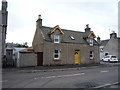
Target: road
<point x="83" y="77"/>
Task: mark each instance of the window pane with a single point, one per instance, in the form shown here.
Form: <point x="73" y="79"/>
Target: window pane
<point x="56" y="56"/>
<point x="56" y="38"/>
<point x="91" y="56"/>
<point x="113" y="56"/>
<point x="90" y="52"/>
<point x="106" y="54"/>
<point x="56" y="51"/>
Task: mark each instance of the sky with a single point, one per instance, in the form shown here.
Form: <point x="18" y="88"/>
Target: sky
<point x="101" y="15"/>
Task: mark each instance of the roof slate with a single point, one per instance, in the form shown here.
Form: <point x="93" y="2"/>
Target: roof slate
<point x="66" y="36"/>
<point x="104" y="42"/>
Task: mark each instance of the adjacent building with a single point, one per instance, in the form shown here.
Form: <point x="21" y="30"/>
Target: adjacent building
<point x="56" y="46"/>
<point x="110" y="46"/>
<point x="12" y="56"/>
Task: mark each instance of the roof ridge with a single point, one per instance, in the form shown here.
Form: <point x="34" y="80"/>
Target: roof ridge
<point x="63" y="29"/>
<point x="105" y="40"/>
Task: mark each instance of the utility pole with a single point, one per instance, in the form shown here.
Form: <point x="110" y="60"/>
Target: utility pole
<point x="3" y="30"/>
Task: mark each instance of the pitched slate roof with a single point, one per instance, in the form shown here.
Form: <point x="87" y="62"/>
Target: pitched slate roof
<point x="78" y="36"/>
<point x="104" y="42"/>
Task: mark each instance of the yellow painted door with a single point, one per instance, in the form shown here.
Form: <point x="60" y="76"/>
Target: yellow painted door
<point x="77" y="57"/>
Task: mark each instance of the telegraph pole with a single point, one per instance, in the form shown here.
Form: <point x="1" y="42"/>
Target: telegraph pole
<point x="3" y="30"/>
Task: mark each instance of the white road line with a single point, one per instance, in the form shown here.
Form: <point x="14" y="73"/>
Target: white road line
<point x="83" y="67"/>
<point x="102" y="86"/>
<point x="64" y="75"/>
<point x="104" y="71"/>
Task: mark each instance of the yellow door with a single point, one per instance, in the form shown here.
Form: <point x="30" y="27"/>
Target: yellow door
<point x="77" y="57"/>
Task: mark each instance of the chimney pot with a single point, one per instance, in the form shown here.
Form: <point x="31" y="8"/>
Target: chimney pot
<point x="113" y="35"/>
<point x="39" y="16"/>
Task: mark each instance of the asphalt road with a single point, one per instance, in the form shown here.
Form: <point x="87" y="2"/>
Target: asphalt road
<point x="84" y="77"/>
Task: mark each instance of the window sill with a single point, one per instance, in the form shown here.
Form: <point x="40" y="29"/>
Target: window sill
<point x="56" y="58"/>
<point x="91" y="58"/>
<point x="56" y="42"/>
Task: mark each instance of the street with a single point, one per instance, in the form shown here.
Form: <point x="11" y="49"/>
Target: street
<point x="83" y="77"/>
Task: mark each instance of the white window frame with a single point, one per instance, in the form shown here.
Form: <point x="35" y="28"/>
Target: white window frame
<point x="58" y="53"/>
<point x="91" y="42"/>
<point x="101" y="49"/>
<point x="56" y="39"/>
<point x="91" y="54"/>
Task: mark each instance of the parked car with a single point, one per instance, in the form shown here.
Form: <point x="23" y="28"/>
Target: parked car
<point x="110" y="58"/>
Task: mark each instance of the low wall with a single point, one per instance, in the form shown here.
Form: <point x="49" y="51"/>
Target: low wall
<point x="27" y="59"/>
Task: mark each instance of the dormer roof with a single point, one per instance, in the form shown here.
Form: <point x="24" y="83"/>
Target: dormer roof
<point x="56" y="28"/>
<point x="88" y="34"/>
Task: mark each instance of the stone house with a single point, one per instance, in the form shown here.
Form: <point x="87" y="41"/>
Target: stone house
<point x="56" y="46"/>
<point x="110" y="46"/>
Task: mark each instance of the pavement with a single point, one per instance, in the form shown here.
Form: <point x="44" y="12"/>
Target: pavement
<point x="57" y="67"/>
<point x="49" y="68"/>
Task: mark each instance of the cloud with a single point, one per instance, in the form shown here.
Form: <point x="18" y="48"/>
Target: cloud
<point x="69" y="14"/>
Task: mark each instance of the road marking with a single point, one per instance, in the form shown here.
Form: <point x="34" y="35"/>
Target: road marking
<point x="104" y="71"/>
<point x="35" y="78"/>
<point x="64" y="75"/>
<point x="102" y="86"/>
<point x="83" y="67"/>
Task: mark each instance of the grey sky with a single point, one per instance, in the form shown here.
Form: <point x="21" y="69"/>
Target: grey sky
<point x="101" y="15"/>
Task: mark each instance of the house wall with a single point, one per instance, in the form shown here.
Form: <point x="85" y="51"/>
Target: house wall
<point x="38" y="41"/>
<point x="27" y="59"/>
<point x="68" y="53"/>
<point x="111" y="47"/>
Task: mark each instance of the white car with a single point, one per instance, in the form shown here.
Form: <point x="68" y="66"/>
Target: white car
<point x="110" y="58"/>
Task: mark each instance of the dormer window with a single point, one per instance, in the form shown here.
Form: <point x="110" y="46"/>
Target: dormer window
<point x="91" y="42"/>
<point x="56" y="39"/>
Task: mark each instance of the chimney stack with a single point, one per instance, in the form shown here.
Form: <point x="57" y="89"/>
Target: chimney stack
<point x="98" y="39"/>
<point x="39" y="22"/>
<point x="4" y="5"/>
<point x="113" y="35"/>
<point x="87" y="29"/>
<point x="39" y="16"/>
<point x="4" y="13"/>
